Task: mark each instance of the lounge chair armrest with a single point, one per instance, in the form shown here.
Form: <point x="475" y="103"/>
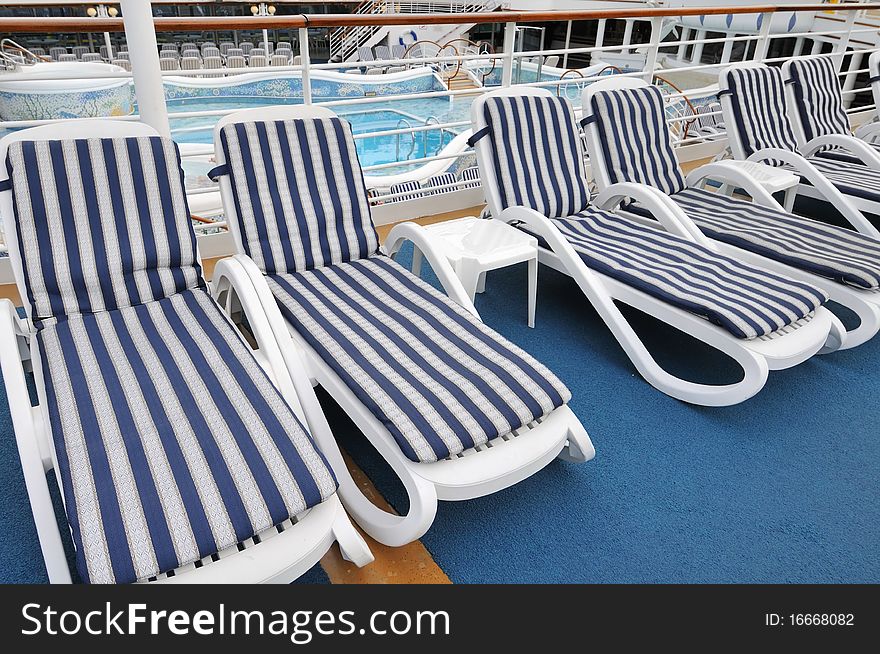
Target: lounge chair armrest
<point x="667" y="213"/>
<point x="730" y="173"/>
<point x="237" y="279"/>
<point x="821" y="183"/>
<point x="31" y="438"/>
<point x="868" y="132"/>
<point x="850" y="144"/>
<point x="421" y="239"/>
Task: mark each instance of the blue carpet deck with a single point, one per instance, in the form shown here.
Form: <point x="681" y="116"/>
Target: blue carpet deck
<point x="782" y="488"/>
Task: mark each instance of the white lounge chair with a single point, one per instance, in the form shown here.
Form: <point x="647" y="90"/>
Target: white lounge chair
<point x="629" y="141"/>
<point x="820" y="123"/>
<point x="235" y="61"/>
<point x="178" y="459"/>
<point x="532" y="169"/>
<point x="455" y="410"/>
<point x="759" y="129"/>
<point x="166" y="63"/>
<point x="190" y="63"/>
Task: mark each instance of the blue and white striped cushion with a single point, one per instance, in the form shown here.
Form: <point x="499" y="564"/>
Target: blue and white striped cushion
<point x="444" y="179"/>
<point x="840" y="154"/>
<point x="299" y="193"/>
<point x="819" y="100"/>
<point x="758" y="101"/>
<point x="635" y="138"/>
<point x="406" y="191"/>
<point x="850" y="178"/>
<point x="172" y="443"/>
<point x="471" y="175"/>
<point x="537" y="154"/>
<point x="102" y="223"/>
<point x="436" y="377"/>
<point x="745" y="300"/>
<point x="826" y="250"/>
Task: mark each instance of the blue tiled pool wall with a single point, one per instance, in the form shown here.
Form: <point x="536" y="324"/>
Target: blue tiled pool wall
<point x="120" y="100"/>
<point x="290" y="87"/>
<point x="114" y="101"/>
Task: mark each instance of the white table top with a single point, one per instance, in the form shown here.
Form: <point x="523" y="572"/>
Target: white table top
<point x="772" y="178"/>
<point x="483" y="240"/>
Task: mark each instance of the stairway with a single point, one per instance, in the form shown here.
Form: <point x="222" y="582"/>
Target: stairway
<point x="345" y="41"/>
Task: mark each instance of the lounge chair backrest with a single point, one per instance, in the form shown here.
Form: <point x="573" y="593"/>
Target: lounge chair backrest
<point x="442" y="180"/>
<point x="636" y="144"/>
<point x="819" y="99"/>
<point x="299" y="193"/>
<point x="537" y="154"/>
<point x="101" y="224"/>
<point x="757" y="102"/>
<point x="166" y="63"/>
<point x="471" y="175"/>
<point x="406" y="191"/>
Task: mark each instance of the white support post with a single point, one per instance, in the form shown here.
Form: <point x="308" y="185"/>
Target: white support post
<point x="817" y="47"/>
<point x="653" y="48"/>
<point x="727" y="50"/>
<point x="682" y="47"/>
<point x="762" y="45"/>
<point x="306" y="64"/>
<point x="567" y="45"/>
<point x="843" y="41"/>
<point x="507" y="61"/>
<point x="627" y="35"/>
<point x="600" y="32"/>
<point x="798" y="46"/>
<point x="140" y="36"/>
<point x="849" y="80"/>
<point x="697" y="55"/>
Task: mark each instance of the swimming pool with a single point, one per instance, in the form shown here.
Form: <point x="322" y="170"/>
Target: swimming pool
<point x="371" y="117"/>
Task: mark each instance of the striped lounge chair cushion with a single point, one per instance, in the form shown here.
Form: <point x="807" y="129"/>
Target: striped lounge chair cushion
<point x="406" y="191"/>
<point x="819" y="99"/>
<point x="850" y="178"/>
<point x="757" y="95"/>
<point x="820" y="104"/>
<point x="636" y="142"/>
<point x="746" y="301"/>
<point x="759" y="112"/>
<point x="172" y="443"/>
<point x="826" y="250"/>
<point x="102" y="224"/>
<point x="436" y="377"/>
<point x="537" y="154"/>
<point x="299" y="206"/>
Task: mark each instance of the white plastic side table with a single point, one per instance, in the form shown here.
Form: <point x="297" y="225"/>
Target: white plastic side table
<point x="474" y="246"/>
<point x="774" y="180"/>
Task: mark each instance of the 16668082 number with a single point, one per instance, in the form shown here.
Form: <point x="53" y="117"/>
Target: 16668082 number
<point x="809" y="620"/>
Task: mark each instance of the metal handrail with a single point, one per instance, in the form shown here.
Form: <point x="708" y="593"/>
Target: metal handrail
<point x="205" y="23"/>
<point x="412" y="148"/>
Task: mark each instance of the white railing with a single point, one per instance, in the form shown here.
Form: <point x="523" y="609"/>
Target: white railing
<point x="692" y="144"/>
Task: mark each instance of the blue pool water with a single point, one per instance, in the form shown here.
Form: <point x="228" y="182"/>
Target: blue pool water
<point x="371" y="117"/>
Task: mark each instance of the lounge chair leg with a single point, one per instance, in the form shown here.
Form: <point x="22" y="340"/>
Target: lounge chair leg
<point x="352" y="545"/>
<point x="867" y="311"/>
<point x="417" y="261"/>
<point x="579" y="447"/>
